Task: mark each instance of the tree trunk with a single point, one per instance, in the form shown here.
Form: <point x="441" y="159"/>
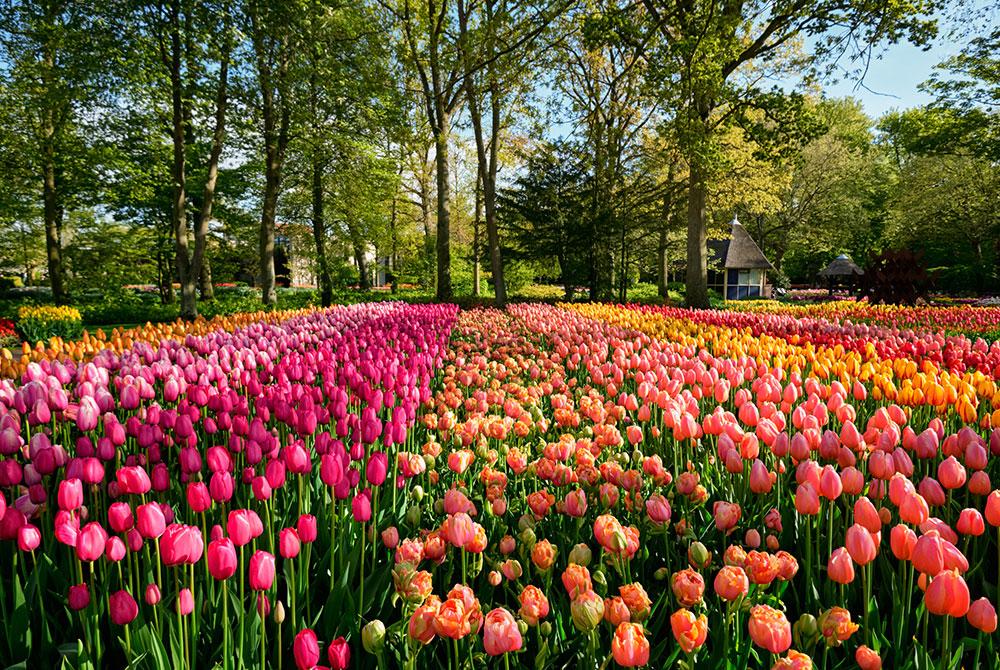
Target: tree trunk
<point x="476" y="221"/>
<point x="696" y="294"/>
<point x="205" y="287"/>
<point x="444" y="292"/>
<point x="53" y="215"/>
<point x="187" y="279"/>
<point x="319" y="234"/>
<point x="53" y="211"/>
<point x="267" y="217"/>
<point x="364" y="281"/>
<point x="199" y="264"/>
<point x="662" y="264"/>
<point x="490" y="201"/>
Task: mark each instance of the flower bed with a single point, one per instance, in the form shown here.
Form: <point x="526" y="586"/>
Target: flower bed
<point x="549" y="487"/>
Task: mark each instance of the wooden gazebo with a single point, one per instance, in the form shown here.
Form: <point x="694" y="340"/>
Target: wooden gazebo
<point x="841" y="269"/>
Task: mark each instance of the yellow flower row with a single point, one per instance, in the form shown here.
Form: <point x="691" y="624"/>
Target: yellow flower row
<point x="48" y="313"/>
<point x="14" y="363"/>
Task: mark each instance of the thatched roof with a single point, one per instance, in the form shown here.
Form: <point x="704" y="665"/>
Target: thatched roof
<point x="841" y="266"/>
<point x="739" y="251"/>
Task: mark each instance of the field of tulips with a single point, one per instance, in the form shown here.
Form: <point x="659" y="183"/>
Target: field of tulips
<point x="390" y="485"/>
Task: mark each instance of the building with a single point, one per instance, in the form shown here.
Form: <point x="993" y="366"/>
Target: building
<point x="737" y="268"/>
<point x="843" y="271"/>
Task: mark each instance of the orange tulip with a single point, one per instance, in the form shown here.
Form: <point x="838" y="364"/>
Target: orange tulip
<point x="629" y="646"/>
<point x="689" y="631"/>
<point x="534" y="605"/>
<point x="770" y="629"/>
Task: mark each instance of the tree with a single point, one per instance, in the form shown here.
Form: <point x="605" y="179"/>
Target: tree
<point x="52" y="65"/>
<point x="498" y="42"/>
<point x="711" y="59"/>
<point x="275" y="38"/>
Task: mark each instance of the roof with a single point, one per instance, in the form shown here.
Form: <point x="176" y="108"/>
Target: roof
<point x="739" y="251"/>
<point x="841" y="266"/>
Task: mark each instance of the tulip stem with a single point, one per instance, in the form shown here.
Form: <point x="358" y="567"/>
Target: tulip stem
<point x="291" y="590"/>
<point x="361" y="567"/>
<point x="225" y="625"/>
<point x="867" y="575"/>
<point x="945" y="660"/>
<point x="263" y="638"/>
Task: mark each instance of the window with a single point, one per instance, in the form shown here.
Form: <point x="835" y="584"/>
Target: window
<point x="744" y="284"/>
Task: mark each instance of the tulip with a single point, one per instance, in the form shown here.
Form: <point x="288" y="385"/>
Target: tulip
<point x="534" y="605"/>
<point x="629" y="645"/>
<point x="122" y="608"/>
<point x="70" y="496"/>
<point x="500" y="633"/>
<point x="261" y="571"/>
<point x="587" y="610"/>
<point x="222" y="562"/>
<point x="983" y="616"/>
<point x="576" y="580"/>
<point x="835" y="626"/>
<point x="689" y="631"/>
<point x="947" y="594"/>
<point x="185" y="602"/>
<point x="339" y="654"/>
<point x="28" y="538"/>
<point x="305" y="649"/>
<point x="867" y="658"/>
<point x="152" y="595"/>
<point x="288" y="543"/>
<point x="150" y="520"/>
<point x="361" y="508"/>
<point x="770" y="629"/>
<point x="731" y="583"/>
<point x="726" y="514"/>
<point x="91" y="542"/>
<point x="860" y="545"/>
<point x="79" y="597"/>
<point x="688" y="587"/>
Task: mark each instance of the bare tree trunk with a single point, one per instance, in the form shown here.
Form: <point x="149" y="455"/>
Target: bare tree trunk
<point x="364" y="281"/>
<point x="444" y="291"/>
<point x="319" y="234"/>
<point x="696" y="294"/>
<point x="476" y="222"/>
<point x="490" y="200"/>
<point x="53" y="210"/>
<point x="662" y="266"/>
<point x="189" y="308"/>
<point x="199" y="264"/>
<point x="276" y="113"/>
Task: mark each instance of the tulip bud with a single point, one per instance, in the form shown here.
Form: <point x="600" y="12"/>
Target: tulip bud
<point x="278" y="614"/>
<point x="661" y="574"/>
<point x="545" y="629"/>
<point x="805" y="630"/>
<point x="373" y="637"/>
<point x="699" y="556"/>
<point x="580" y="554"/>
<point x="587" y="610"/>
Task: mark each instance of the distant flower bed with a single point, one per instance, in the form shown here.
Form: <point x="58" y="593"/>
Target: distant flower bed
<point x="41" y="322"/>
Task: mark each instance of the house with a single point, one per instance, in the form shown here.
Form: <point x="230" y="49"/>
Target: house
<point x="737" y="268"/>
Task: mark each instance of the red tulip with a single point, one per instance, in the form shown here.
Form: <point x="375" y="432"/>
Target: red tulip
<point x="306" y="528"/>
<point x="288" y="543"/>
<point x="185" y="602"/>
<point x="150" y="520"/>
<point x="305" y="649"/>
<point x="860" y="545"/>
<point x="983" y="616"/>
<point x="947" y="594"/>
<point x="70" y="494"/>
<point x="339" y="654"/>
<point x="689" y="631"/>
<point x="79" y="597"/>
<point x="91" y="541"/>
<point x="122" y="608"/>
<point x="222" y="558"/>
<point x="261" y="571"/>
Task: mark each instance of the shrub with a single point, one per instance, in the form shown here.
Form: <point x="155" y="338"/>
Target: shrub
<point x="45" y="321"/>
<point x="7" y="283"/>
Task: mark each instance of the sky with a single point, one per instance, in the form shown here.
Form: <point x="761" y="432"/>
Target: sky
<point x="892" y="81"/>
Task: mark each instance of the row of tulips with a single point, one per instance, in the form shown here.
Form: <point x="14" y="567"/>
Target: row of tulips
<point x="413" y="486"/>
<point x="968" y="319"/>
<point x="14" y="362"/>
